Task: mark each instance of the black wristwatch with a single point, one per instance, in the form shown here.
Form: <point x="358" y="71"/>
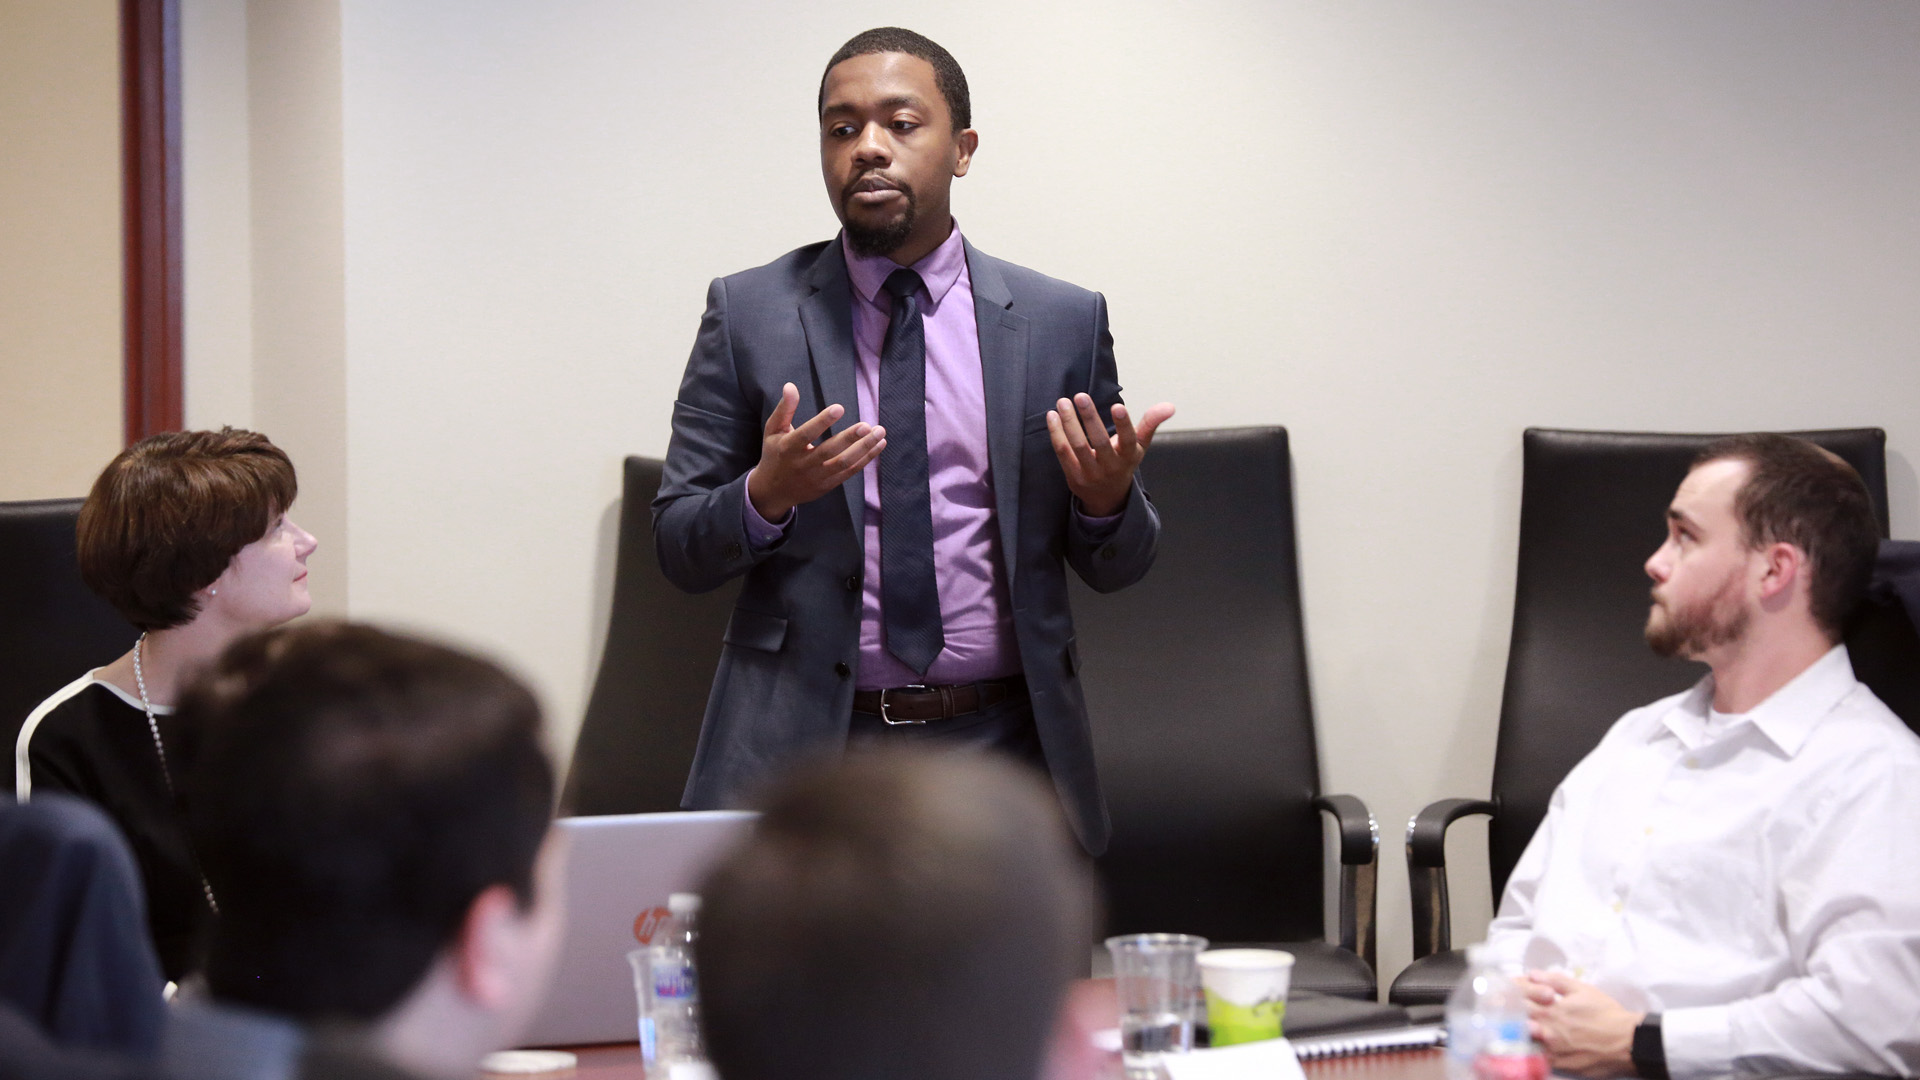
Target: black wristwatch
<point x="1649" y="1053"/>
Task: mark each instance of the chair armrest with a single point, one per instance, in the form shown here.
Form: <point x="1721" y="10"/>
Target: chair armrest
<point x="1427" y="871"/>
<point x="1427" y="832"/>
<point x="1359" y="834"/>
<point x="1359" y="866"/>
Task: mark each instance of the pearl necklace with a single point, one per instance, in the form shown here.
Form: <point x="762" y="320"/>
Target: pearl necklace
<point x="166" y="774"/>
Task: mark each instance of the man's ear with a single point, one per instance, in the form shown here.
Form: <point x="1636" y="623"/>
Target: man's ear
<point x="1784" y="564"/>
<point x="968" y="141"/>
<point x="484" y="967"/>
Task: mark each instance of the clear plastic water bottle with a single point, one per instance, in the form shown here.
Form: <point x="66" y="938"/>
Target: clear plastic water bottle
<point x="1487" y="1026"/>
<point x="1508" y="1053"/>
<point x="673" y="1002"/>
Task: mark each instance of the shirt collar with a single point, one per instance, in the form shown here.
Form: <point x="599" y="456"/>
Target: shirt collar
<point x="939" y="269"/>
<point x="1788" y="716"/>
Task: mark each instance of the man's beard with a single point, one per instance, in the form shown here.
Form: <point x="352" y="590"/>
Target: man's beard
<point x="1688" y="632"/>
<point x="883" y="239"/>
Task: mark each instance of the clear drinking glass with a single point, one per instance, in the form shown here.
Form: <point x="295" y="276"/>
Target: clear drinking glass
<point x="1157" y="980"/>
<point x="642" y="981"/>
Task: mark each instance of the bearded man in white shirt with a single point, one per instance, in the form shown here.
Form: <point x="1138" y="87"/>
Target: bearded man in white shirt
<point x="1726" y="884"/>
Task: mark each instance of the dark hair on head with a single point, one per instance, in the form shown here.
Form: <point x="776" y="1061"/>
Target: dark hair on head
<point x="171" y="511"/>
<point x="352" y="793"/>
<point x="895" y="915"/>
<point x="947" y="76"/>
<point x="1800" y="494"/>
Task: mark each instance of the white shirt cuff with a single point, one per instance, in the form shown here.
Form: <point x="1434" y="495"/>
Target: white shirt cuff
<point x="1698" y="1041"/>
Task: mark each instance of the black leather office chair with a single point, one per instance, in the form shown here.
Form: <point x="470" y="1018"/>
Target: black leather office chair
<point x="1882" y="639"/>
<point x="1196" y="682"/>
<point x="643" y="721"/>
<point x="53" y="628"/>
<point x="1213" y="779"/>
<point x="1592" y="509"/>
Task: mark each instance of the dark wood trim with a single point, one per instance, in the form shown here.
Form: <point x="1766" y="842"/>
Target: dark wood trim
<point x="150" y="135"/>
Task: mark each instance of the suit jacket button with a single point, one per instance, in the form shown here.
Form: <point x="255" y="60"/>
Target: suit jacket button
<point x="853" y="582"/>
<point x="1108" y="553"/>
<point x="730" y="552"/>
<point x="841" y="669"/>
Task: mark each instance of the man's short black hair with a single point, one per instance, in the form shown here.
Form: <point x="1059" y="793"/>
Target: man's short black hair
<point x="899" y="915"/>
<point x="353" y="793"/>
<point x="947" y="76"/>
<point x="1800" y="494"/>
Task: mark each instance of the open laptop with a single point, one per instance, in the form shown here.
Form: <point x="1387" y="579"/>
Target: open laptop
<point x="620" y="870"/>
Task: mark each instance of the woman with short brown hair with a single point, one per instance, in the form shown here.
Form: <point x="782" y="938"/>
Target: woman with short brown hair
<point x="186" y="534"/>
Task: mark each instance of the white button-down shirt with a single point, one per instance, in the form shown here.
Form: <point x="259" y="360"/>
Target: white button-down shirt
<point x="1755" y="880"/>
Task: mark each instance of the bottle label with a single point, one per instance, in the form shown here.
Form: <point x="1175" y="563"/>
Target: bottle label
<point x="1519" y="1065"/>
<point x="674" y="982"/>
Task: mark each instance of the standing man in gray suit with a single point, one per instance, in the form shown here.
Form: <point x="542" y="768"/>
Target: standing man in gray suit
<point x="963" y="436"/>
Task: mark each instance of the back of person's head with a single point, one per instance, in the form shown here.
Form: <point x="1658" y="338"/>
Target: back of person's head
<point x="354" y="792"/>
<point x="1800" y="494"/>
<point x="168" y="514"/>
<point x="898" y="915"/>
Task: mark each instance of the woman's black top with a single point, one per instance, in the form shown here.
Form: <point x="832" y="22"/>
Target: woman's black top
<point x="89" y="740"/>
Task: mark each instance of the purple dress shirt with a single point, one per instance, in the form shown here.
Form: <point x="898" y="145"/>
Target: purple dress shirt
<point x="975" y="613"/>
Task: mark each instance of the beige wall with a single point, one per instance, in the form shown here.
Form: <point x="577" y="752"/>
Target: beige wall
<point x="216" y="199"/>
<point x="60" y="284"/>
<point x="264" y="324"/>
<point x="299" y="328"/>
<point x="1406" y="231"/>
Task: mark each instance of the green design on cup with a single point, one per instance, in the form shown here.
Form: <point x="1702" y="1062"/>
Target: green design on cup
<point x="1231" y="1023"/>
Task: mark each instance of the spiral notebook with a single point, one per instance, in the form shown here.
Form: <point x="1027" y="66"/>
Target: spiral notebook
<point x="1279" y="1059"/>
<point x="1351" y="1043"/>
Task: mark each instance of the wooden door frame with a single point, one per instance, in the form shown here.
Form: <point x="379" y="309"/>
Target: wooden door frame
<point x="150" y="140"/>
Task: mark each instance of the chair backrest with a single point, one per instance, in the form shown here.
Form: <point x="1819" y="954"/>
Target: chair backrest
<point x="1882" y="639"/>
<point x="1196" y="683"/>
<point x="643" y="721"/>
<point x="1592" y="509"/>
<point x="52" y="627"/>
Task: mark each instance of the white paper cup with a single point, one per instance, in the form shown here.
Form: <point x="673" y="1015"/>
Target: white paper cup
<point x="1246" y="992"/>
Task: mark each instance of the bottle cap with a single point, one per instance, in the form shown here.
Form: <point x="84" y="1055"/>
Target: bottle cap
<point x="683" y="903"/>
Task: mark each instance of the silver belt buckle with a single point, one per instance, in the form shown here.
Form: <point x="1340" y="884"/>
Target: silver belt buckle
<point x="922" y="687"/>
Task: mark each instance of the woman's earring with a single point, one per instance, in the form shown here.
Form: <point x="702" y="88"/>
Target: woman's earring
<point x="213" y="592"/>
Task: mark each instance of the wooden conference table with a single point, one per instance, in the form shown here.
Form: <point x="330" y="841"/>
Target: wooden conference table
<point x="1090" y="1006"/>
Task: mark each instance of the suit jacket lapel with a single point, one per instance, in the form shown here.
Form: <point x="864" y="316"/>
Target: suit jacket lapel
<point x="827" y="318"/>
<point x="1003" y="362"/>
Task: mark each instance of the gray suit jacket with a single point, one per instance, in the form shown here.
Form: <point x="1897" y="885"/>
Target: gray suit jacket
<point x="784" y="688"/>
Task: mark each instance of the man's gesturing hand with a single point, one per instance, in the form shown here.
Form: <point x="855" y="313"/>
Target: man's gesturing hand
<point x="1099" y="466"/>
<point x="793" y="470"/>
<point x="1583" y="1031"/>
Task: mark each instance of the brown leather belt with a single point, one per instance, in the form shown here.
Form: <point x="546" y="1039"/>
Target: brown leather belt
<point x="919" y="704"/>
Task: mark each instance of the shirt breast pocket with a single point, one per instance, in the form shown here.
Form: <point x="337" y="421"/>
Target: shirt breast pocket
<point x="1724" y="884"/>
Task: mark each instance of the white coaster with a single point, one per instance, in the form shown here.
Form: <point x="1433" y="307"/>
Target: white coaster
<point x="528" y="1062"/>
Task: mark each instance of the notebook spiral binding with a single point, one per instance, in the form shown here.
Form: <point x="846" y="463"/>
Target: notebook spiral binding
<point x="1370" y="1042"/>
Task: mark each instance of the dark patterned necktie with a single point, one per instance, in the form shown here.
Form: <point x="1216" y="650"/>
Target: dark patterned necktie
<point x="909" y="596"/>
